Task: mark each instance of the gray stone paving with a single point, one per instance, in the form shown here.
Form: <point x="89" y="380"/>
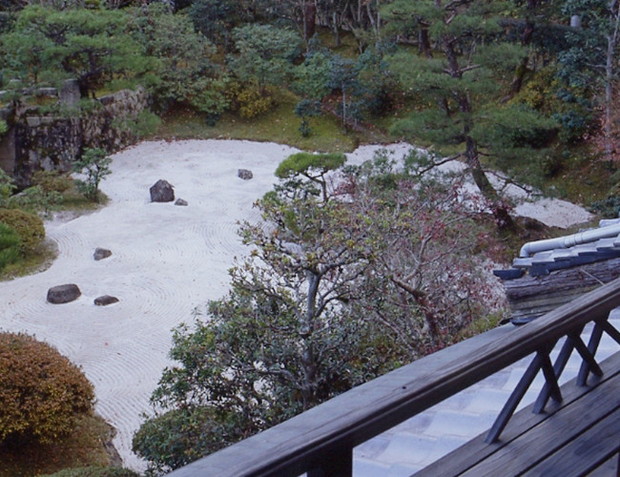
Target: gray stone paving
<point x="421" y="440"/>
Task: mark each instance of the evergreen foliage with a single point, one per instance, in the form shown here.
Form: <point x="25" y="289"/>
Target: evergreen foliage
<point x="10" y="248"/>
<point x="459" y="85"/>
<point x="184" y="72"/>
<point x="28" y="226"/>
<point x="215" y="19"/>
<point x="264" y="55"/>
<point x="7" y="186"/>
<point x="91" y="46"/>
<point x="95" y="165"/>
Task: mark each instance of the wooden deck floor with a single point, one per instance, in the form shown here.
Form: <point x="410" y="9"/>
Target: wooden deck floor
<point x="572" y="438"/>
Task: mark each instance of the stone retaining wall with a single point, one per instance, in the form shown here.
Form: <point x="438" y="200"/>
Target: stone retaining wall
<point x="52" y="142"/>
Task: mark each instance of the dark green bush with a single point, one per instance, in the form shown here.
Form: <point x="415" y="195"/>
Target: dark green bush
<point x="9" y="245"/>
<point x="94" y="471"/>
<point x="42" y="392"/>
<point x="181" y="436"/>
<point x="28" y="226"/>
<point x="608" y="208"/>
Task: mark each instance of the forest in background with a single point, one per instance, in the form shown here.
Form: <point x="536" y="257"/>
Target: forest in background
<point x="522" y="87"/>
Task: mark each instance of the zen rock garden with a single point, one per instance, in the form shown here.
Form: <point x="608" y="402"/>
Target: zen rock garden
<point x="161" y="191"/>
<point x="69" y="292"/>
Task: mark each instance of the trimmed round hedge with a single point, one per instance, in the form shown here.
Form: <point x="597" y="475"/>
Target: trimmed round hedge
<point x="28" y="226"/>
<point x="41" y="391"/>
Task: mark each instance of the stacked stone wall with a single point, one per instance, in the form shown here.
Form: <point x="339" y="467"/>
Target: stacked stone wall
<point x="38" y="141"/>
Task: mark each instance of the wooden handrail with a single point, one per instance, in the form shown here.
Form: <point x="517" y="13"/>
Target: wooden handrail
<point x="326" y="435"/>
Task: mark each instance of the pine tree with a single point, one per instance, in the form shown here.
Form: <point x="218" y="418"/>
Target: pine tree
<point x="464" y="69"/>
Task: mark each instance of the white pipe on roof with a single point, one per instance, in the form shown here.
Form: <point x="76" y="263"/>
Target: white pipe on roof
<point x="531" y="248"/>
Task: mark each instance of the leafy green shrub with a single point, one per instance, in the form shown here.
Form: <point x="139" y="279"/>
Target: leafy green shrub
<point x="95" y="165"/>
<point x="52" y="181"/>
<point x="608" y="208"/>
<point x="9" y="245"/>
<point x="28" y="226"/>
<point x="146" y="124"/>
<point x="180" y="436"/>
<point x="252" y="103"/>
<point x="302" y="162"/>
<point x="94" y="471"/>
<point x="305" y="109"/>
<point x="34" y="199"/>
<point x="42" y="392"/>
<point x="7" y="186"/>
<point x="143" y="125"/>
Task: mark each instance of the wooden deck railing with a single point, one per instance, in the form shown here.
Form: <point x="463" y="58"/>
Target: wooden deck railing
<point x="320" y="442"/>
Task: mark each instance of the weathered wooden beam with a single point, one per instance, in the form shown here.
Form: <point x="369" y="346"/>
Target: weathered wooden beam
<point x="531" y="296"/>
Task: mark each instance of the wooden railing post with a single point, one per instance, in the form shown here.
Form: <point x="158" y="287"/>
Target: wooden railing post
<point x="339" y="464"/>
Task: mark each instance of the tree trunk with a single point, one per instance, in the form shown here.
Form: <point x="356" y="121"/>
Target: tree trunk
<point x="526" y="39"/>
<point x="424" y="43"/>
<point x="429" y="317"/>
<point x="308" y="361"/>
<point x="498" y="207"/>
<point x="344" y="107"/>
<point x="309" y="15"/>
<point x="517" y="80"/>
<point x="608" y="126"/>
<point x="612" y="41"/>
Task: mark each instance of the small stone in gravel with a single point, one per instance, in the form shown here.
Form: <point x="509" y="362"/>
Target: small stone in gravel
<point x="105" y="300"/>
<point x="101" y="253"/>
<point x="245" y="174"/>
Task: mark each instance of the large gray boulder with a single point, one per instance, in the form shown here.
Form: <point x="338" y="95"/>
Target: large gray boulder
<point x="162" y="191"/>
<point x="63" y="293"/>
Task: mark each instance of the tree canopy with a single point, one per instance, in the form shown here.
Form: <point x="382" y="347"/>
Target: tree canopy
<point x="339" y="287"/>
<point x="91" y="46"/>
<point x="502" y="83"/>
